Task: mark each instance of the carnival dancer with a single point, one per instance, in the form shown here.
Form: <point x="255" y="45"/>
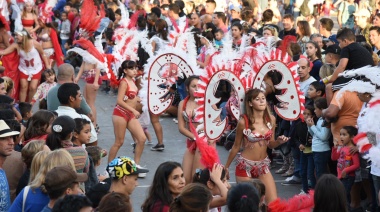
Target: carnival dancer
<point x="125" y="114"/>
<point x="255" y="132"/>
<point x="29" y="18"/>
<point x="30" y="65"/>
<point x="48" y="37"/>
<point x="9" y="61"/>
<point x="207" y="49"/>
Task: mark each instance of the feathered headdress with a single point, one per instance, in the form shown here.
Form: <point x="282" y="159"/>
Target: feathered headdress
<point x="46" y="10"/>
<point x="298" y="203"/>
<point x="90" y="18"/>
<point x="89" y="53"/>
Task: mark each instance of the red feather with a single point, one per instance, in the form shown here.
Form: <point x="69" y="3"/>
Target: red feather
<point x="89" y="46"/>
<point x="135" y="16"/>
<point x="209" y="155"/>
<point x="90" y="18"/>
<point x="286" y="42"/>
<point x="298" y="203"/>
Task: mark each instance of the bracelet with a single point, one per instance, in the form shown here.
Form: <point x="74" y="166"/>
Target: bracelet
<point x="326" y="79"/>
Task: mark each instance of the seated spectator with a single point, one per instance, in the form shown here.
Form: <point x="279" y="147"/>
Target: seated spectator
<point x="115" y="202"/>
<point x="62" y="181"/>
<point x="243" y="197"/>
<point x="163" y="190"/>
<point x="73" y="203"/>
<point x="26" y="112"/>
<point x="194" y="197"/>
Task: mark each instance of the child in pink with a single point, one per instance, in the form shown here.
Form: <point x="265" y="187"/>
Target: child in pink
<point x="347" y="163"/>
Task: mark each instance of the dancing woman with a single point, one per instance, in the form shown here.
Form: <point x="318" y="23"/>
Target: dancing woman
<point x="125" y="114"/>
<point x="29" y="18"/>
<point x="255" y="132"/>
<point x="49" y="41"/>
<point x="30" y="65"/>
<point x="186" y="114"/>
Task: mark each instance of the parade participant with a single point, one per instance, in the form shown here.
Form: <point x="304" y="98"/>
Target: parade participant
<point x="125" y="114"/>
<point x="237" y="33"/>
<point x="9" y="61"/>
<point x="30" y="65"/>
<point x="29" y="18"/>
<point x="186" y="114"/>
<point x="207" y="49"/>
<point x="255" y="132"/>
<point x="160" y="40"/>
<point x="48" y="37"/>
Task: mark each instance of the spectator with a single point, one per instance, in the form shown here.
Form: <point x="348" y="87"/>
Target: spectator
<point x="346" y="14"/>
<point x="195" y="20"/>
<point x="62" y="181"/>
<point x="303" y="34"/>
<point x="73" y="203"/>
<point x="123" y="171"/>
<point x="115" y="202"/>
<point x="6" y="148"/>
<point x="329" y="195"/>
<point x="235" y="12"/>
<point x="268" y="20"/>
<point x="374" y="37"/>
<point x="304" y="74"/>
<point x="64" y="31"/>
<point x="330" y="40"/>
<point x="194" y="197"/>
<point x="243" y="197"/>
<point x="325" y="27"/>
<point x="237" y="33"/>
<point x="26" y="112"/>
<point x="38" y="126"/>
<point x="362" y="20"/>
<point x="35" y="193"/>
<point x="288" y="23"/>
<point x="219" y="20"/>
<point x="210" y="6"/>
<point x="318" y="39"/>
<point x="332" y="55"/>
<point x="43" y="88"/>
<point x="313" y="52"/>
<point x="70" y="97"/>
<point x="168" y="183"/>
<point x="65" y="75"/>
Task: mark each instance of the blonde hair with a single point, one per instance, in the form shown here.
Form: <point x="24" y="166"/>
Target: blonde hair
<point x="272" y="30"/>
<point x="30" y="150"/>
<point x="249" y="95"/>
<point x="55" y="158"/>
<point x="24" y="10"/>
<point x="37" y="161"/>
<point x="8" y="83"/>
<point x="326" y="70"/>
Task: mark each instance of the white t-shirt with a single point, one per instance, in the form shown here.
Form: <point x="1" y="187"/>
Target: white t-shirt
<point x="304" y="86"/>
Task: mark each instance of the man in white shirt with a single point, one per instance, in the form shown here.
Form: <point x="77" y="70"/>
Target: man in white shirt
<point x="70" y="97"/>
<point x="304" y="74"/>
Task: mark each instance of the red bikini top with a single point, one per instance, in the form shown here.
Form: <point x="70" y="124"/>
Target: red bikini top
<point x="128" y="93"/>
<point x="255" y="137"/>
<point x="27" y="22"/>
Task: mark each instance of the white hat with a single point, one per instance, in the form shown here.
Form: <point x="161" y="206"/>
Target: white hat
<point x="5" y="131"/>
<point x="363" y="13"/>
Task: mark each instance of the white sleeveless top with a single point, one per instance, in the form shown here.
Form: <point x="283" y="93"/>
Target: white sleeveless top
<point x="160" y="43"/>
<point x="30" y="62"/>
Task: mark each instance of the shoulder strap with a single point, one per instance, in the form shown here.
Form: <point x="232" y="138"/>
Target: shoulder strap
<point x="24" y="195"/>
<point x="246" y="121"/>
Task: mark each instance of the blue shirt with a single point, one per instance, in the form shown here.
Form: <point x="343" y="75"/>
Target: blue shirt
<point x="46" y="209"/>
<point x="36" y="200"/>
<point x="321" y="135"/>
<point x="5" y="196"/>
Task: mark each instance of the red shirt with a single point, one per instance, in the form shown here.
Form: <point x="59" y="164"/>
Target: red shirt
<point x="346" y="162"/>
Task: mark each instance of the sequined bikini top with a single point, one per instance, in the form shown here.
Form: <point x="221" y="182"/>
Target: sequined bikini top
<point x="253" y="137"/>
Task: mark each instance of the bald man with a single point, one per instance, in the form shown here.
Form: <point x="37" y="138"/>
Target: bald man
<point x="65" y="75"/>
<point x="303" y="71"/>
<point x="206" y="18"/>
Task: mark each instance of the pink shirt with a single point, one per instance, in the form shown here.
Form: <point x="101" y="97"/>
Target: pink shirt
<point x="346" y="162"/>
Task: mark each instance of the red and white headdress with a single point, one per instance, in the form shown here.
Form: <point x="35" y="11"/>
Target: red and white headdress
<point x="46" y="10"/>
<point x="90" y="17"/>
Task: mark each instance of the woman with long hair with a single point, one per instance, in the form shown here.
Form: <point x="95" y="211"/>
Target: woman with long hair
<point x="255" y="132"/>
<point x="237" y="34"/>
<point x="47" y="36"/>
<point x="160" y="39"/>
<point x="37" y="198"/>
<point x="30" y="64"/>
<point x="186" y="114"/>
<point x="29" y="18"/>
<point x="330" y="195"/>
<point x="313" y="52"/>
<point x="125" y="114"/>
<point x="168" y="183"/>
<point x="303" y="34"/>
<point x="38" y="126"/>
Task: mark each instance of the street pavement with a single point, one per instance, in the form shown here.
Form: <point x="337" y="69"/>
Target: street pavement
<point x="174" y="149"/>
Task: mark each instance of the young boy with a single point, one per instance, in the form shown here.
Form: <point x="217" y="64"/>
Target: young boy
<point x="315" y="91"/>
<point x="219" y="34"/>
<point x="64" y="30"/>
<point x="26" y="112"/>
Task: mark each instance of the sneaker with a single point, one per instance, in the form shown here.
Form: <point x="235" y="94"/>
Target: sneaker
<point x="142" y="175"/>
<point x="302" y="192"/>
<point x="149" y="143"/>
<point x="175" y="120"/>
<point x="291" y="182"/>
<point x="158" y="147"/>
<point x="282" y="170"/>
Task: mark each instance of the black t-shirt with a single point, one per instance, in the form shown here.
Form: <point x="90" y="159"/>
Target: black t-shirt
<point x="357" y="56"/>
<point x="284" y="33"/>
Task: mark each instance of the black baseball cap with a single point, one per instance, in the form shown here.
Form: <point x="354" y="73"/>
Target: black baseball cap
<point x="334" y="49"/>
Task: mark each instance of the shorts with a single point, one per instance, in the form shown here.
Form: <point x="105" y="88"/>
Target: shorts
<point x="191" y="145"/>
<point x="89" y="77"/>
<point x="126" y="114"/>
<point x="252" y="169"/>
<point x="36" y="76"/>
<point x="49" y="52"/>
